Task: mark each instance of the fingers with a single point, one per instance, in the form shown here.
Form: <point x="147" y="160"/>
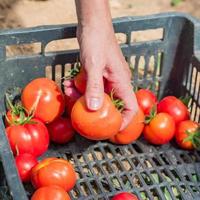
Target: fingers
<point x="95" y="89"/>
<point x="120" y="81"/>
<point x="125" y="92"/>
<point x="70" y="89"/>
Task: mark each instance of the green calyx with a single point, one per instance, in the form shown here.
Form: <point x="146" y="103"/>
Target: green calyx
<point x="73" y="71"/>
<point x="194" y="138"/>
<point x="119" y="104"/>
<point x="19" y="115"/>
<point x="152" y="114"/>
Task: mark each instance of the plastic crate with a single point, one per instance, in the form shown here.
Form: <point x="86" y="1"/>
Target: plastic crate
<point x="103" y="168"/>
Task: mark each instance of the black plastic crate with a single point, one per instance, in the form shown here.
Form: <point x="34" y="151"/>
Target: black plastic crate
<point x="171" y="66"/>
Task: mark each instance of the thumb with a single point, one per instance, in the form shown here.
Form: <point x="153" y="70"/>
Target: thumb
<point x="95" y="89"/>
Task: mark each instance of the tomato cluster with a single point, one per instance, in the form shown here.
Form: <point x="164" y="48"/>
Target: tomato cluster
<point x="46" y="114"/>
<point x="29" y="129"/>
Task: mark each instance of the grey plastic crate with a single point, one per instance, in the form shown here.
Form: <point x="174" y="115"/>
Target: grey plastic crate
<point x="171" y="66"/>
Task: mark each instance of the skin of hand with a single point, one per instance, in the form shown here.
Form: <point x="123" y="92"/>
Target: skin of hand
<point x="101" y="57"/>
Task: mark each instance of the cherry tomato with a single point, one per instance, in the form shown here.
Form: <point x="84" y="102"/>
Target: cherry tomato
<point x="61" y="130"/>
<point x="45" y="98"/>
<point x="174" y="107"/>
<point x="132" y="132"/>
<point x="125" y="196"/>
<point x="25" y="162"/>
<point x="32" y="137"/>
<point x="146" y="100"/>
<point x="184" y="130"/>
<point x="96" y="125"/>
<point x="54" y="171"/>
<point x="160" y="130"/>
<point x="51" y="192"/>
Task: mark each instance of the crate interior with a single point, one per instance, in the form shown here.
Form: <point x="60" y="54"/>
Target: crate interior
<point x="166" y="65"/>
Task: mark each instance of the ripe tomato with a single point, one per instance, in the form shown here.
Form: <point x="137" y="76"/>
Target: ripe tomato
<point x="80" y="81"/>
<point x="125" y="196"/>
<point x="132" y="132"/>
<point x="160" y="130"/>
<point x="51" y="192"/>
<point x="45" y="98"/>
<point x="146" y="100"/>
<point x="61" y="130"/>
<point x="30" y="138"/>
<point x="69" y="103"/>
<point x="25" y="162"/>
<point x="54" y="171"/>
<point x="187" y="129"/>
<point x="96" y="125"/>
<point x="174" y="107"/>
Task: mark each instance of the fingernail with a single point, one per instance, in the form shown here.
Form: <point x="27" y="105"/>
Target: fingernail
<point x="94" y="103"/>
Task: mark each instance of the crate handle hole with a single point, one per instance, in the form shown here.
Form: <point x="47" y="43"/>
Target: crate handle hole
<point x="61" y="45"/>
<point x="20" y="50"/>
<point x="147" y="35"/>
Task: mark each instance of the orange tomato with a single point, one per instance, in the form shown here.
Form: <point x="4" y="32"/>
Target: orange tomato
<point x="184" y="130"/>
<point x="96" y="125"/>
<point x="53" y="171"/>
<point x="132" y="132"/>
<point x="160" y="130"/>
<point x="45" y="98"/>
<point x="51" y="192"/>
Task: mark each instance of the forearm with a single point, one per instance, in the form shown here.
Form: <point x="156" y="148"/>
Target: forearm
<point x="93" y="13"/>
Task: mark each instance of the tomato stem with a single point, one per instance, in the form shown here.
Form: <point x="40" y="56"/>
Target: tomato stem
<point x="152" y="114"/>
<point x="73" y="71"/>
<point x="119" y="104"/>
<point x="194" y="137"/>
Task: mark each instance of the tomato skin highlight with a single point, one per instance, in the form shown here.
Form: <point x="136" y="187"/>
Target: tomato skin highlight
<point x="51" y="192"/>
<point x="132" y="132"/>
<point x="54" y="171"/>
<point x="174" y="107"/>
<point x="61" y="130"/>
<point x="46" y="97"/>
<point x="96" y="125"/>
<point x="28" y="138"/>
<point x="146" y="100"/>
<point x="125" y="196"/>
<point x="160" y="130"/>
<point x="24" y="163"/>
<point x="181" y="133"/>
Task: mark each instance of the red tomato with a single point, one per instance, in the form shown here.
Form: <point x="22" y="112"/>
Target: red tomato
<point x="69" y="103"/>
<point x="30" y="138"/>
<point x="45" y="98"/>
<point x="146" y="100"/>
<point x="96" y="125"/>
<point x="132" y="132"/>
<point x="54" y="171"/>
<point x="174" y="107"/>
<point x="61" y="130"/>
<point x="182" y="130"/>
<point x="25" y="162"/>
<point x="125" y="196"/>
<point x="160" y="130"/>
<point x="51" y="192"/>
<point x="80" y="81"/>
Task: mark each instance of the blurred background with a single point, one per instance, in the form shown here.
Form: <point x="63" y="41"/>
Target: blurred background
<point x="28" y="13"/>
